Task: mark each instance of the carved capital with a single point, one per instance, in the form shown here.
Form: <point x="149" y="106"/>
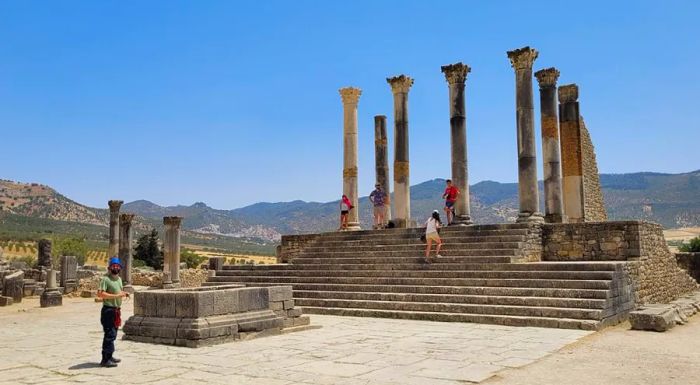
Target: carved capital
<point x="401" y="169"/>
<point x="568" y="93"/>
<point x="350" y="95"/>
<point x="547" y="77"/>
<point x="114" y="205"/>
<point x="400" y="84"/>
<point x="126" y="218"/>
<point x="172" y="221"/>
<point x="456" y="73"/>
<point x="522" y="58"/>
<point x="350" y="172"/>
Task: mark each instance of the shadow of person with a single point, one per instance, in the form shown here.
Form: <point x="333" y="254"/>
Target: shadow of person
<point x="85" y="365"/>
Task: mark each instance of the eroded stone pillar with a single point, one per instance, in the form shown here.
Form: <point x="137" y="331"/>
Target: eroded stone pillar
<point x="551" y="155"/>
<point x="382" y="161"/>
<point x="114" y="206"/>
<point x="44" y="260"/>
<point x="572" y="157"/>
<point x="171" y="251"/>
<point x="51" y="295"/>
<point x="350" y="97"/>
<point x="125" y="256"/>
<point x="522" y="59"/>
<point x="456" y="75"/>
<point x="400" y="85"/>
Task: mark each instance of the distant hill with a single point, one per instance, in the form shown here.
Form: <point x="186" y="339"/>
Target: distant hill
<point x="672" y="200"/>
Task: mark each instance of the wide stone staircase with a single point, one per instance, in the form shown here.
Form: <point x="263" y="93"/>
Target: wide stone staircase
<point x="477" y="279"/>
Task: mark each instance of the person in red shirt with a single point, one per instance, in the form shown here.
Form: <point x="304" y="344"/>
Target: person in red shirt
<point x="450" y="197"/>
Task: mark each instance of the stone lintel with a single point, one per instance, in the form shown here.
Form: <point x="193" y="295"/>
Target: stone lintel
<point x="547" y="77"/>
<point x="568" y="93"/>
<point x="456" y="73"/>
<point x="522" y="58"/>
<point x="400" y="84"/>
<point x="350" y="95"/>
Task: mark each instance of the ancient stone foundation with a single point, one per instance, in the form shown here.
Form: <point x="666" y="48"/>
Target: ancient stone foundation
<point x="203" y="316"/>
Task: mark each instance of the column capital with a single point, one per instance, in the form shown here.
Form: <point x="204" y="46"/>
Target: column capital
<point x="568" y="93"/>
<point x="114" y="205"/>
<point x="456" y="73"/>
<point x="350" y="95"/>
<point x="172" y="221"/>
<point x="522" y="58"/>
<point x="547" y="77"/>
<point x="126" y="218"/>
<point x="400" y="84"/>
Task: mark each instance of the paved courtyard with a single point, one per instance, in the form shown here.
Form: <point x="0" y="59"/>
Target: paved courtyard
<point x="61" y="345"/>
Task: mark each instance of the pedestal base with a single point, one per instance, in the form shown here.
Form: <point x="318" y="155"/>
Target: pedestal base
<point x="463" y="220"/>
<point x="530" y="218"/>
<point x="51" y="298"/>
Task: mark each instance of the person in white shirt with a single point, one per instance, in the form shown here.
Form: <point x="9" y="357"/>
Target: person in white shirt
<point x="431" y="234"/>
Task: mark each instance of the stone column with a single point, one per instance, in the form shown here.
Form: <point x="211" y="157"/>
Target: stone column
<point x="382" y="161"/>
<point x="171" y="250"/>
<point x="44" y="259"/>
<point x="350" y="97"/>
<point x="51" y="295"/>
<point x="114" y="207"/>
<point x="572" y="158"/>
<point x="402" y="186"/>
<point x="456" y="75"/>
<point x="125" y="250"/>
<point x="551" y="155"/>
<point x="522" y="60"/>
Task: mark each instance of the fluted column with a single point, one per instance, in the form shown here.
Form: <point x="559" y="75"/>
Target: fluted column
<point x="382" y="161"/>
<point x="171" y="250"/>
<point x="400" y="86"/>
<point x="551" y="155"/>
<point x="522" y="60"/>
<point x="125" y="248"/>
<point x="350" y="97"/>
<point x="456" y="75"/>
<point x="114" y="207"/>
<point x="572" y="157"/>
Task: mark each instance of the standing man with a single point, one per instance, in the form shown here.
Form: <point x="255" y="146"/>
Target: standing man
<point x="378" y="198"/>
<point x="450" y="197"/>
<point x="111" y="291"/>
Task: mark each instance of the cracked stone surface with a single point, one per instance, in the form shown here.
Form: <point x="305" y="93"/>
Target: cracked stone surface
<point x="62" y="346"/>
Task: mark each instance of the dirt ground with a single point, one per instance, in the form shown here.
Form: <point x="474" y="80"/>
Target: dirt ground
<point x="617" y="356"/>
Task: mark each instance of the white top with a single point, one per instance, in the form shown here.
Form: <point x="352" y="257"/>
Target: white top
<point x="431" y="226"/>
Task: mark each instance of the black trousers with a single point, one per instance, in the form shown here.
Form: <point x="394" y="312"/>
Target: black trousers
<point x="107" y="320"/>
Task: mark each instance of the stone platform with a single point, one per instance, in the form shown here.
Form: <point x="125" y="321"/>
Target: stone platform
<point x="195" y="317"/>
<point x="580" y="276"/>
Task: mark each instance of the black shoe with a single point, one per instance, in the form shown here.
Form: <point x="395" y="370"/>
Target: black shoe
<point x="115" y="360"/>
<point x="108" y="364"/>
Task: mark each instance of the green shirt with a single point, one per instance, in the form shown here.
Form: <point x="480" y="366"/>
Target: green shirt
<point x="112" y="286"/>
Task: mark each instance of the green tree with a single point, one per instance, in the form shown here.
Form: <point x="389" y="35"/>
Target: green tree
<point x="192" y="259"/>
<point x="692" y="246"/>
<point x="147" y="250"/>
<point x="74" y="246"/>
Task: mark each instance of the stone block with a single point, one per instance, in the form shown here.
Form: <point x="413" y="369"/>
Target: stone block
<point x="193" y="329"/>
<point x="302" y="321"/>
<point x="6" y="301"/>
<point x="13" y="286"/>
<point x="253" y="298"/>
<point x="658" y="319"/>
<point x="220" y="326"/>
<point x="205" y="303"/>
<point x="289" y="304"/>
<point x="277" y="305"/>
<point x="93" y="294"/>
<point x="149" y="304"/>
<point x="293" y="313"/>
<point x="280" y="293"/>
<point x="166" y="305"/>
<point x="225" y="302"/>
<point x="216" y="263"/>
<point x="260" y="325"/>
<point x="51" y="298"/>
<point x="186" y="304"/>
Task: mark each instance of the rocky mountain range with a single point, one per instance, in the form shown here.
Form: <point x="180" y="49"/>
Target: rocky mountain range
<point x="670" y="199"/>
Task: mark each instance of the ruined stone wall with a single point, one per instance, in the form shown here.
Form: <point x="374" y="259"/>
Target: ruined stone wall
<point x="593" y="205"/>
<point x="689" y="262"/>
<point x="651" y="266"/>
<point x="291" y="245"/>
<point x="531" y="250"/>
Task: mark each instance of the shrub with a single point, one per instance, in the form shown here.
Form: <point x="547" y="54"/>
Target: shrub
<point x="192" y="259"/>
<point x="692" y="246"/>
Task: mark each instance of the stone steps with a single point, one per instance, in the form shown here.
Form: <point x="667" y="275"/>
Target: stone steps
<point x="417" y="246"/>
<point x="562" y="323"/>
<point x="552" y="274"/>
<point x="441" y="266"/>
<point x="416" y="240"/>
<point x="498" y="282"/>
<point x="441" y="307"/>
<point x="584" y="303"/>
<point x="445" y="290"/>
<point x="417" y="260"/>
<point x="399" y="253"/>
<point x="415" y="234"/>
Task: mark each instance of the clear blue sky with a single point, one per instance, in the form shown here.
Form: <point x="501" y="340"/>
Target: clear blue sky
<point x="231" y="103"/>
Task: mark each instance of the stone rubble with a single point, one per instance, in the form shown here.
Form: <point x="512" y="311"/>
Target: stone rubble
<point x="662" y="317"/>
